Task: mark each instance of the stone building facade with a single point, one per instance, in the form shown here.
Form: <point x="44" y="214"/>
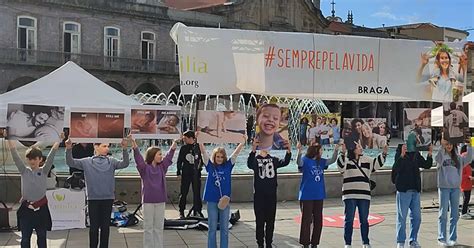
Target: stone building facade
<point x="126" y="43"/>
<point x="122" y="42"/>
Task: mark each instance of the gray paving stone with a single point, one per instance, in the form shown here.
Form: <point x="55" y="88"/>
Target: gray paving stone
<point x="286" y="229"/>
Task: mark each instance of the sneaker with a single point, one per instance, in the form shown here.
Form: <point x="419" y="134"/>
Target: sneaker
<point x="414" y="244"/>
<point x="466" y="216"/>
<point x="347" y="246"/>
<point x="452" y="243"/>
<point x="181" y="215"/>
<point x="400" y="245"/>
<point x="442" y="243"/>
<point x="366" y="246"/>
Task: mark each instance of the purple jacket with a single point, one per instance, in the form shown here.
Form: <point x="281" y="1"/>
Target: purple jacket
<point x="153" y="177"/>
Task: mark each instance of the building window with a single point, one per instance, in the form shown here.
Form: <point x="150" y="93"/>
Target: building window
<point x="27" y="32"/>
<point x="111" y="42"/>
<point x="72" y="37"/>
<point x="148" y="46"/>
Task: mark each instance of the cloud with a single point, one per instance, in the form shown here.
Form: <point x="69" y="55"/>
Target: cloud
<point x="387" y="13"/>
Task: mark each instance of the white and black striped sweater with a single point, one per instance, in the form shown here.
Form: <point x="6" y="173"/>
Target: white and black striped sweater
<point x="355" y="185"/>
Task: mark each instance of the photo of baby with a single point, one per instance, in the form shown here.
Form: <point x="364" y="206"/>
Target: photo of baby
<point x="111" y="125"/>
<point x="219" y="127"/>
<point x="272" y="127"/>
<point x="168" y="124"/>
<point x="156" y="122"/>
<point x="417" y="128"/>
<point x="96" y="126"/>
<point x="35" y="122"/>
<point x="143" y="121"/>
<point x="83" y="125"/>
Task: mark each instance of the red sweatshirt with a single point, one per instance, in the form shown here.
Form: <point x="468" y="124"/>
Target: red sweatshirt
<point x="466" y="183"/>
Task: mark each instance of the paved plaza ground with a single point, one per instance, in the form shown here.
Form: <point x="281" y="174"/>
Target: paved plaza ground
<point x="286" y="229"/>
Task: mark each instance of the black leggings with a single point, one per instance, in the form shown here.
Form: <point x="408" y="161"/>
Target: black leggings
<point x="99" y="215"/>
<point x="465" y="203"/>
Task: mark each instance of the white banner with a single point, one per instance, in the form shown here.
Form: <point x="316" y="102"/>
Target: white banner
<point x="67" y="208"/>
<point x="225" y="61"/>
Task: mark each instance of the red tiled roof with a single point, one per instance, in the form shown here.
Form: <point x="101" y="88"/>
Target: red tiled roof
<point x="339" y="27"/>
<point x="193" y="4"/>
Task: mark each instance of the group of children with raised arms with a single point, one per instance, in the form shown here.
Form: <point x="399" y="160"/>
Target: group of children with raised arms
<point x="355" y="168"/>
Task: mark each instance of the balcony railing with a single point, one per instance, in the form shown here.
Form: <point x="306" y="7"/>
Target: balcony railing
<point x="87" y="61"/>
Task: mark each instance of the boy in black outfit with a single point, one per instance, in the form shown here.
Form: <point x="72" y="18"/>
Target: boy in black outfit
<point x="265" y="190"/>
<point x="189" y="167"/>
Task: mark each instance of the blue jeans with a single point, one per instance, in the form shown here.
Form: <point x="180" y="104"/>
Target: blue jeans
<point x="349" y="212"/>
<point x="408" y="200"/>
<point x="214" y="213"/>
<point x="448" y="199"/>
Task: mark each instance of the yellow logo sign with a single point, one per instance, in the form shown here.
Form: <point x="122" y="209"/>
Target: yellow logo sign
<point x="59" y="197"/>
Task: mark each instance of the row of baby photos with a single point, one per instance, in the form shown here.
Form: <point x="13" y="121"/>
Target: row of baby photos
<point x="29" y="122"/>
<point x="45" y="123"/>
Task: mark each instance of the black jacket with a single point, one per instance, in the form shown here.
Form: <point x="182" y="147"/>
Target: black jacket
<point x="189" y="159"/>
<point x="406" y="171"/>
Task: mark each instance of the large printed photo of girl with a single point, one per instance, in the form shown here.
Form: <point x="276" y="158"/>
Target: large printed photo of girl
<point x="443" y="70"/>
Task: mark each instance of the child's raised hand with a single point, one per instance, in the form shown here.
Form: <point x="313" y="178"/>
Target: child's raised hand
<point x="124" y="142"/>
<point x="68" y="144"/>
<point x="55" y="146"/>
<point x="343" y="148"/>
<point x="202" y="147"/>
<point x="11" y="144"/>
<point x="385" y="150"/>
<point x="298" y="146"/>
<point x="133" y="141"/>
<point x="175" y="144"/>
<point x="244" y="137"/>
<point x="255" y="144"/>
<point x="287" y="145"/>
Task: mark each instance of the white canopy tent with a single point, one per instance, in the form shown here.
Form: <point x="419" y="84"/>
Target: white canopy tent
<point x="69" y="86"/>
